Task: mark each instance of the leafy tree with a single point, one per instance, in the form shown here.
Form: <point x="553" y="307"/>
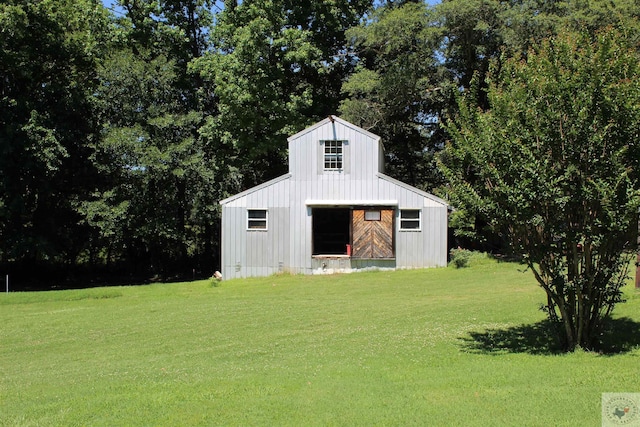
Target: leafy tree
<point x="274" y="67"/>
<point x="143" y="158"/>
<point x="471" y="37"/>
<point x="49" y="51"/>
<point x="399" y="88"/>
<point x="153" y="209"/>
<point x="476" y="32"/>
<point x="555" y="162"/>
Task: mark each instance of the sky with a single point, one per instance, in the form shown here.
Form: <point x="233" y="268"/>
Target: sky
<point x="112" y="4"/>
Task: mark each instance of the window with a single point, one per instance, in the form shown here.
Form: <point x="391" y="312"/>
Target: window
<point x="256" y="219"/>
<point x="332" y="155"/>
<point x="372" y="215"/>
<point x="410" y="219"/>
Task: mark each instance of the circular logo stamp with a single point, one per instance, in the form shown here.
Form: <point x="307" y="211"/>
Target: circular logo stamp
<point x="621" y="409"/>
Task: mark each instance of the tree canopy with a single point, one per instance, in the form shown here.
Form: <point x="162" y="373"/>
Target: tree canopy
<point x="122" y="128"/>
<point x="553" y="163"/>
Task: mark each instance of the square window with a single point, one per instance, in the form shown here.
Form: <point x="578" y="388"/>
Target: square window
<point x="410" y="220"/>
<point x="257" y="219"/>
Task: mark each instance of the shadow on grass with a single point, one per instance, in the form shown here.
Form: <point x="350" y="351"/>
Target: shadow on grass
<point x="542" y="338"/>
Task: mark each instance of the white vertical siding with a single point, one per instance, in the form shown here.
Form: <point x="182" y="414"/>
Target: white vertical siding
<point x="363" y="151"/>
<point x="254" y="252"/>
<point x="287" y="244"/>
<point x="427" y="247"/>
<point x="234" y="241"/>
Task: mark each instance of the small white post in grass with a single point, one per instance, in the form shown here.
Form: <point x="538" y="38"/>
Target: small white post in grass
<point x="7" y="281"/>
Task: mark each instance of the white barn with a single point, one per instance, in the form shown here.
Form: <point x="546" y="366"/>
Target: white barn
<point x="335" y="211"/>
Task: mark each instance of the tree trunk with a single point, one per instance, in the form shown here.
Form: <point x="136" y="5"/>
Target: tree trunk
<point x="570" y="338"/>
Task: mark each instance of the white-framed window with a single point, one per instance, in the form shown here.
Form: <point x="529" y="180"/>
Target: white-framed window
<point x="333" y="155"/>
<point x="410" y="220"/>
<point x="257" y="219"/>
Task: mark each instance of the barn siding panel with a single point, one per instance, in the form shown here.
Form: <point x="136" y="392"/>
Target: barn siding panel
<point x="255" y="252"/>
<point x="362" y="154"/>
<point x="233" y="242"/>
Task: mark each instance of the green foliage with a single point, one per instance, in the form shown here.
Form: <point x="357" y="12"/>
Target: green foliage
<point x="412" y="60"/>
<point x="156" y="203"/>
<point x="120" y="132"/>
<point x="399" y="88"/>
<point x="48" y="56"/>
<point x="554" y="163"/>
<point x="472" y="36"/>
<point x="156" y="166"/>
<point x="463" y="258"/>
<point x="274" y="68"/>
<point x="460" y="257"/>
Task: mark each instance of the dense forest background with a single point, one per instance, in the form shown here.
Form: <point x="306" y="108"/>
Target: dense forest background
<point x="121" y="128"/>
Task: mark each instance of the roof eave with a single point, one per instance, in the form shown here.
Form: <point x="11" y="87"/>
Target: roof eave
<point x="254" y="189"/>
<point x="414" y="189"/>
<point x="332" y="119"/>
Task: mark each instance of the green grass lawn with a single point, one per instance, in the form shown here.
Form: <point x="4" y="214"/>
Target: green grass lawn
<point x="423" y="347"/>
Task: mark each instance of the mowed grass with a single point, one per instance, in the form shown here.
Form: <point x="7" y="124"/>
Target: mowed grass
<point x="424" y="347"/>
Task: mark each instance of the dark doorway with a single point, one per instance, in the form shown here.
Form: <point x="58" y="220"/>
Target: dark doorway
<point x="331" y="231"/>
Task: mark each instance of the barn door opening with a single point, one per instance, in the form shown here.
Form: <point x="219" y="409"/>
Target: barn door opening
<point x="372" y="233"/>
<point x="331" y="231"/>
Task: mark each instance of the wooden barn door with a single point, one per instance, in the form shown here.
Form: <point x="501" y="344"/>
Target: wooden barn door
<point x="372" y="231"/>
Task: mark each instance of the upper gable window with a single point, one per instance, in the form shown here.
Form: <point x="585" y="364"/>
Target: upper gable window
<point x="333" y="155"/>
